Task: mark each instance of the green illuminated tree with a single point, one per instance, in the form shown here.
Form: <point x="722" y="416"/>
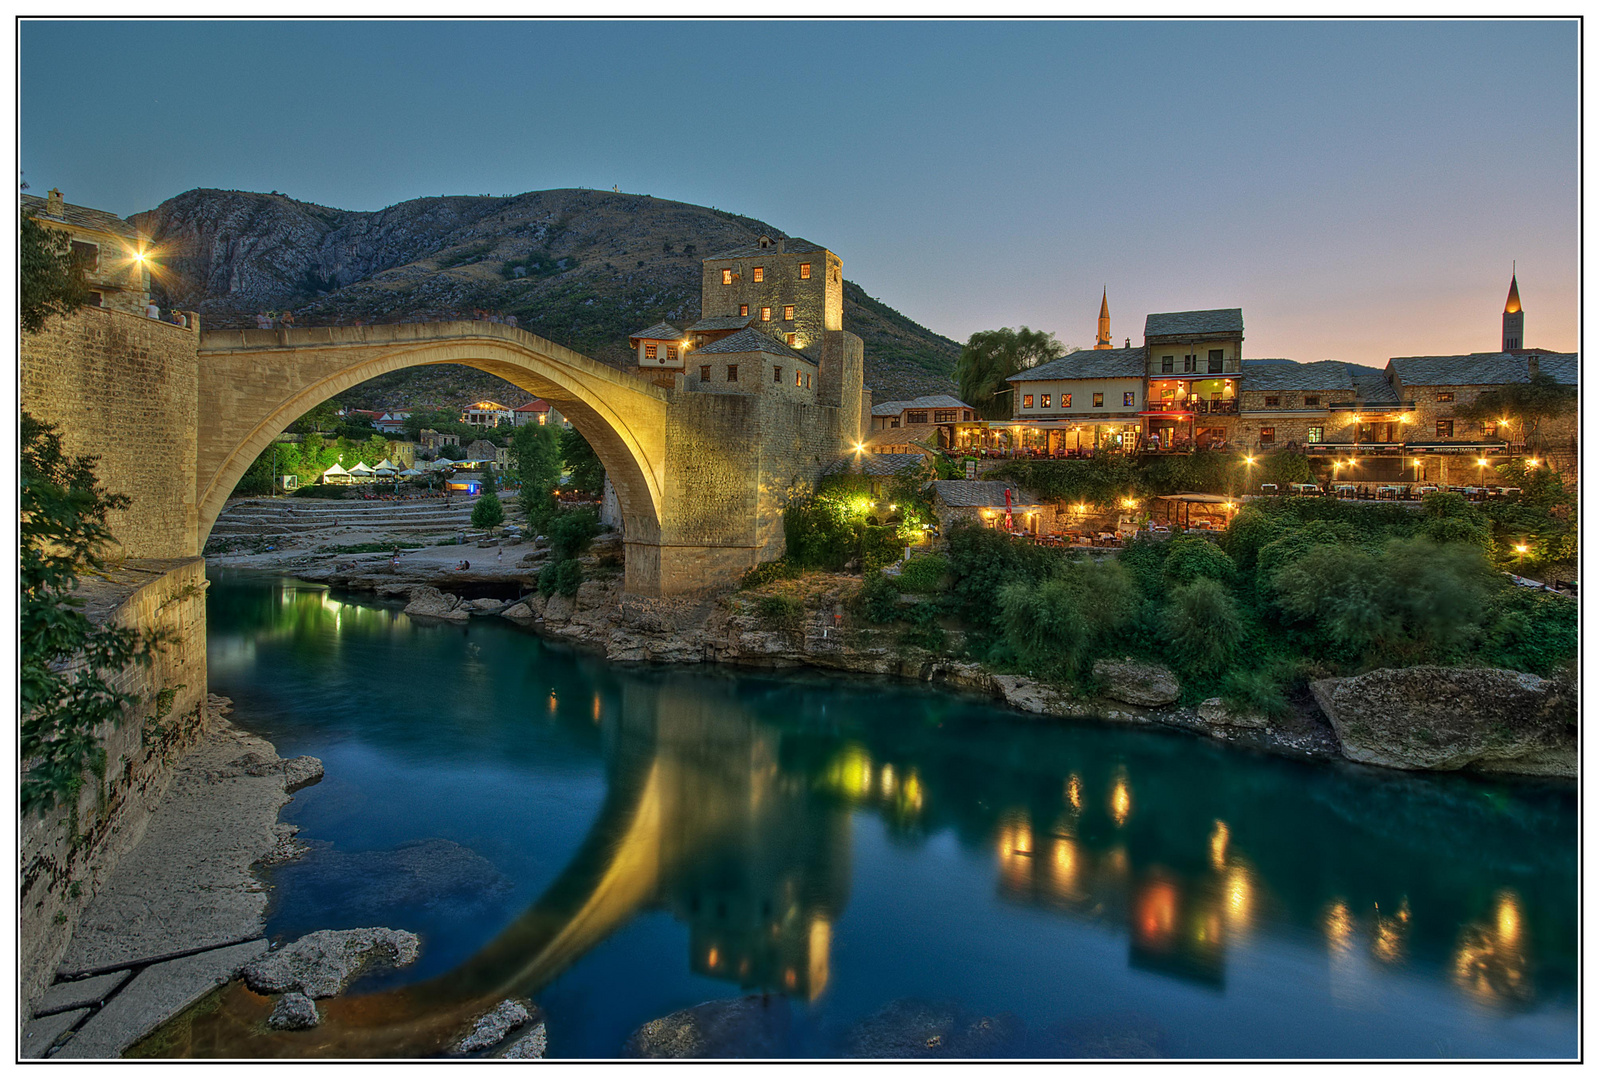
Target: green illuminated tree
<point x="52" y="280"/>
<point x="536" y="462"/>
<point x="582" y="462"/>
<point x="992" y="356"/>
<point x="1528" y="404"/>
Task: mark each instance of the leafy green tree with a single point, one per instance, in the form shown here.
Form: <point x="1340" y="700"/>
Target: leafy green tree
<point x="582" y="462"/>
<point x="321" y="417"/>
<point x="487" y="511"/>
<point x="1055" y="627"/>
<point x="1189" y="558"/>
<point x="536" y="464"/>
<point x="1203" y="626"/>
<point x="68" y="664"/>
<point x="572" y="531"/>
<point x="992" y="356"/>
<point x="52" y="281"/>
<point x="1527" y="404"/>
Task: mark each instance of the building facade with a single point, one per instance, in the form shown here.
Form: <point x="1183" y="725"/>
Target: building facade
<point x="111" y="251"/>
<point x="1089" y="398"/>
<point x="790" y="289"/>
<point x="487" y="414"/>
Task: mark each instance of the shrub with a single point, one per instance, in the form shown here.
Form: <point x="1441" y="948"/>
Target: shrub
<point x="878" y="599"/>
<point x="487" y="511"/>
<point x="1256" y="690"/>
<point x="1203" y="626"/>
<point x="1189" y="558"/>
<point x="571" y="531"/>
<point x="320" y="491"/>
<point x="562" y="577"/>
<point x="1056" y="627"/>
<point x="782" y="611"/>
<point x="767" y="572"/>
<point x="923" y="574"/>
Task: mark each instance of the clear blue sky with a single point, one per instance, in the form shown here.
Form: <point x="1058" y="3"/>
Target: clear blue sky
<point x="1359" y="189"/>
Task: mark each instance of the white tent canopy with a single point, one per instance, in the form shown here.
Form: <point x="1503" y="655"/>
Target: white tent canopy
<point x="336" y="472"/>
<point x="411" y="472"/>
<point x="386" y="466"/>
<point x="362" y="469"/>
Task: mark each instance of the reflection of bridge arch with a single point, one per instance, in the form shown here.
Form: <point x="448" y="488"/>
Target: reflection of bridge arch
<point x="254" y="383"/>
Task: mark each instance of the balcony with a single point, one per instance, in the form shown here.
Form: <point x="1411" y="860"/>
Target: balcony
<point x="1197" y="406"/>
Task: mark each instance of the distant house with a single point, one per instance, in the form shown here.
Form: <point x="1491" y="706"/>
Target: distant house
<point x="537" y="411"/>
<point x="433" y="440"/>
<point x="486" y="452"/>
<point x="983" y="502"/>
<point x="392" y="422"/>
<point x="933" y="418"/>
<point x="487" y="414"/>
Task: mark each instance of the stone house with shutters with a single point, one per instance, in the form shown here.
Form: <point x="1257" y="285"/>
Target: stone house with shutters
<point x="1440" y="386"/>
<point x="1328" y="403"/>
<point x="937" y="419"/>
<point x="750" y="362"/>
<point x="110" y="249"/>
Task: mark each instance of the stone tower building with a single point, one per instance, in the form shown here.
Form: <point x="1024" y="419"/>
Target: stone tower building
<point x="1103" y="340"/>
<point x="1514" y="337"/>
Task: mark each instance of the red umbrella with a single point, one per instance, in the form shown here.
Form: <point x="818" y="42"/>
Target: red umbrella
<point x="1007" y="510"/>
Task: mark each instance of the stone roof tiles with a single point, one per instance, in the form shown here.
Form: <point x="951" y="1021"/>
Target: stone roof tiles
<point x="1332" y="376"/>
<point x="721" y="322"/>
<point x="876" y="464"/>
<point x="749" y="341"/>
<point x="1178" y="323"/>
<point x="929" y="401"/>
<point x="791" y="246"/>
<point x="1481" y="369"/>
<point x="1088" y="364"/>
<point x="980" y="493"/>
<point x="83" y="217"/>
<point x="659" y="332"/>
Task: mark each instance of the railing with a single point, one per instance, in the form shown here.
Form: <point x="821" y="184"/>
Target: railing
<point x="1196" y="405"/>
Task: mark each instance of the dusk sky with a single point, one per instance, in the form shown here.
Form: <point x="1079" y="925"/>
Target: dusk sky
<point x="1359" y="189"/>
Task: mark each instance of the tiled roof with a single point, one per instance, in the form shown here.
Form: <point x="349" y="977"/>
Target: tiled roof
<point x="1265" y="362"/>
<point x="536" y="405"/>
<point x="930" y="401"/>
<point x="1214" y="321"/>
<point x="1481" y="369"/>
<point x="1332" y="376"/>
<point x="1372" y="386"/>
<point x="659" y="332"/>
<point x="1087" y="364"/>
<point x="980" y="493"/>
<point x="792" y="246"/>
<point x="82" y="216"/>
<point x="748" y="341"/>
<point x="721" y="322"/>
<point x="876" y="464"/>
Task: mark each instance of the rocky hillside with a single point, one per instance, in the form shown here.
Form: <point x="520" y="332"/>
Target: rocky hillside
<point x="582" y="268"/>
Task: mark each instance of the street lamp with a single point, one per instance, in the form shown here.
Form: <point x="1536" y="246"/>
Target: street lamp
<point x="1482" y="463"/>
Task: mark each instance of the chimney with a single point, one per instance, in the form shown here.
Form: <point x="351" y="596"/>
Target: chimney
<point x="53" y="203"/>
<point x="781" y="242"/>
<point x="1532" y="367"/>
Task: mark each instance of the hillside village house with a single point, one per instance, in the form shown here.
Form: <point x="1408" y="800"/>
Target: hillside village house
<point x="392" y="421"/>
<point x="1193" y="364"/>
<point x="111" y="251"/>
<point x="537" y="411"/>
<point x="487" y="414"/>
<point x="1089" y="398"/>
<point x="481" y="450"/>
<point x="983" y="502"/>
<point x="936" y="419"/>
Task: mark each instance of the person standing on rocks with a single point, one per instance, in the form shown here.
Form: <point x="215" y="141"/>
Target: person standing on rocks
<point x="288" y="320"/>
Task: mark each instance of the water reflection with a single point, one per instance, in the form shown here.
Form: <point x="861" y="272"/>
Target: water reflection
<point x="729" y="806"/>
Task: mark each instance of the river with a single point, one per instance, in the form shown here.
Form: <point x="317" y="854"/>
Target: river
<point x="619" y="842"/>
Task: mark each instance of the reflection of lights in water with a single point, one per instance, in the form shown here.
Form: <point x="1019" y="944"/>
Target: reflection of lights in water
<point x="821" y="949"/>
<point x="743" y="967"/>
<point x="1063" y="864"/>
<point x="553" y="702"/>
<point x="596" y="708"/>
<point x="1388" y="943"/>
<point x="1074" y="792"/>
<point x="1117" y="860"/>
<point x="1121" y="801"/>
<point x="790" y="980"/>
<point x="1240" y="897"/>
<point x="1340" y="927"/>
<point x="911" y="793"/>
<point x="1489" y="963"/>
<point x="886" y="780"/>
<point x="1218" y="846"/>
<point x="851" y="772"/>
<point x="711" y="957"/>
<point x="1155" y="917"/>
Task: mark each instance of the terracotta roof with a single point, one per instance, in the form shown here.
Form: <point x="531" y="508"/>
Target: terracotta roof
<point x="1481" y="369"/>
<point x="749" y="341"/>
<point x="1088" y="364"/>
<point x="536" y="405"/>
<point x="929" y="401"/>
<point x="980" y="493"/>
<point x="82" y="216"/>
<point x="659" y="332"/>
<point x="1211" y="321"/>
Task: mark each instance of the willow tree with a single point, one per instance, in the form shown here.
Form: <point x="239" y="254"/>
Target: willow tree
<point x="992" y="356"/>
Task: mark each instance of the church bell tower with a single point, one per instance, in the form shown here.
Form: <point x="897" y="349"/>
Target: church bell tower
<point x="1514" y="338"/>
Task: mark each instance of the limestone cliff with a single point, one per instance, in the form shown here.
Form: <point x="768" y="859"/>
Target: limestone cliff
<point x="582" y="268"/>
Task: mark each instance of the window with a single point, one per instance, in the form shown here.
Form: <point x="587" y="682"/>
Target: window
<point x="1268" y="435"/>
<point x="766" y="314"/>
<point x="95" y="300"/>
<point x="1166" y="365"/>
<point x="1215" y="361"/>
<point x="1127" y="399"/>
<point x="86" y="254"/>
<point x="916" y="418"/>
<point x="1027" y="401"/>
<point x="944" y="416"/>
<point x="777" y="373"/>
<point x="727" y="275"/>
<point x="1065" y="401"/>
<point x="1099" y="401"/>
<point x="788" y="312"/>
<point x="1271" y="401"/>
<point x="1446" y="395"/>
<point x="1313" y="434"/>
<point x="1188" y="363"/>
<point x="758" y="274"/>
<point x="1312" y="400"/>
<point x="732" y="373"/>
<point x="792" y="338"/>
<point x="1446" y="429"/>
<point x="894" y="422"/>
<point x="1489" y="429"/>
<point x="743" y="309"/>
<point x="671" y="354"/>
<point x="1043" y="401"/>
<point x="649" y="350"/>
<point x="705" y="373"/>
<point x="798" y="377"/>
<point x="807" y="381"/>
<point x="805" y="271"/>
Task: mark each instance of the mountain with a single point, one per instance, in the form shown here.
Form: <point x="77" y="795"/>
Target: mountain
<point x="582" y="268"/>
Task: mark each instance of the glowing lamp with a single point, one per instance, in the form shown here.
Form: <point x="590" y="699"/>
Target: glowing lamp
<point x="1521" y="548"/>
<point x="1248" y="460"/>
<point x="859" y="447"/>
<point x="1533" y="462"/>
<point x="1482" y="461"/>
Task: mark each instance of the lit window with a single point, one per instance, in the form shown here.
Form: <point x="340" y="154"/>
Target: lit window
<point x="1489" y="429"/>
<point x="1313" y="433"/>
<point x="1268" y="434"/>
<point x="1127" y="398"/>
<point x="1446" y="429"/>
<point x="705" y="373"/>
<point x="805" y="271"/>
<point x="766" y="314"/>
<point x="671" y="354"/>
<point x="1043" y="401"/>
<point x="777" y="373"/>
<point x="798" y="380"/>
<point x="1446" y="395"/>
<point x="807" y="382"/>
<point x="788" y="312"/>
<point x="732" y="373"/>
<point x="1027" y="401"/>
<point x="1099" y="401"/>
<point x="1065" y="401"/>
<point x="727" y="276"/>
<point x="792" y="338"/>
<point x="649" y="350"/>
<point x="758" y="274"/>
<point x="743" y="309"/>
<point x="944" y="416"/>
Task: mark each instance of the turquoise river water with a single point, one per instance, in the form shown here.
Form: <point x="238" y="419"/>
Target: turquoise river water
<point x="619" y="842"/>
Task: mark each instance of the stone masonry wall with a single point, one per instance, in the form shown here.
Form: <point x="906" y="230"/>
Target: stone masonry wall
<point x="818" y="301"/>
<point x="124" y="388"/>
<point x="67" y="855"/>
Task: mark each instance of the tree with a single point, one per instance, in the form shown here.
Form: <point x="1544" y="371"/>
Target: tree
<point x="582" y="462"/>
<point x="321" y="417"/>
<point x="68" y="664"/>
<point x="992" y="356"/>
<point x="1528" y="404"/>
<point x="536" y="462"/>
<point x="52" y="280"/>
<point x="1203" y="626"/>
<point x="487" y="511"/>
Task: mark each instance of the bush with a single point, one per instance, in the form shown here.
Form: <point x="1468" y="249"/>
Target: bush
<point x="1256" y="690"/>
<point x="923" y="574"/>
<point x="1056" y="627"/>
<point x="767" y="572"/>
<point x="487" y="511"/>
<point x="562" y="577"/>
<point x="571" y="531"/>
<point x="320" y="491"/>
<point x="878" y="600"/>
<point x="1203" y="627"/>
<point x="786" y="612"/>
<point x="1189" y="558"/>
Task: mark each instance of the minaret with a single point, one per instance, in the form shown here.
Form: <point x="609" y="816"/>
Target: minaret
<point x="1514" y="339"/>
<point x="1104" y="321"/>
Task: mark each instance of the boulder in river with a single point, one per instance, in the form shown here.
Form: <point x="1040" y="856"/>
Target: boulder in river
<point x="1137" y="683"/>
<point x="911" y="1028"/>
<point x="430" y="602"/>
<point x="492" y="1027"/>
<point x="1427" y="717"/>
<point x="321" y="965"/>
<point x="529" y="1047"/>
<point x="748" y="1027"/>
<point x="294" y="1012"/>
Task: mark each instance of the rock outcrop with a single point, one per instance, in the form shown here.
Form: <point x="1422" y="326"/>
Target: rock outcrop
<point x="430" y="602"/>
<point x="492" y="1028"/>
<point x="1216" y="711"/>
<point x="529" y="1047"/>
<point x="733" y="1027"/>
<point x="909" y="1028"/>
<point x="1137" y="683"/>
<point x="294" y="1012"/>
<point x="322" y="964"/>
<point x="1484" y="719"/>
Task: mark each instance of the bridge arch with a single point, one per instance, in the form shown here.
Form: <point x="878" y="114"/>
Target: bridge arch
<point x="254" y="383"/>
